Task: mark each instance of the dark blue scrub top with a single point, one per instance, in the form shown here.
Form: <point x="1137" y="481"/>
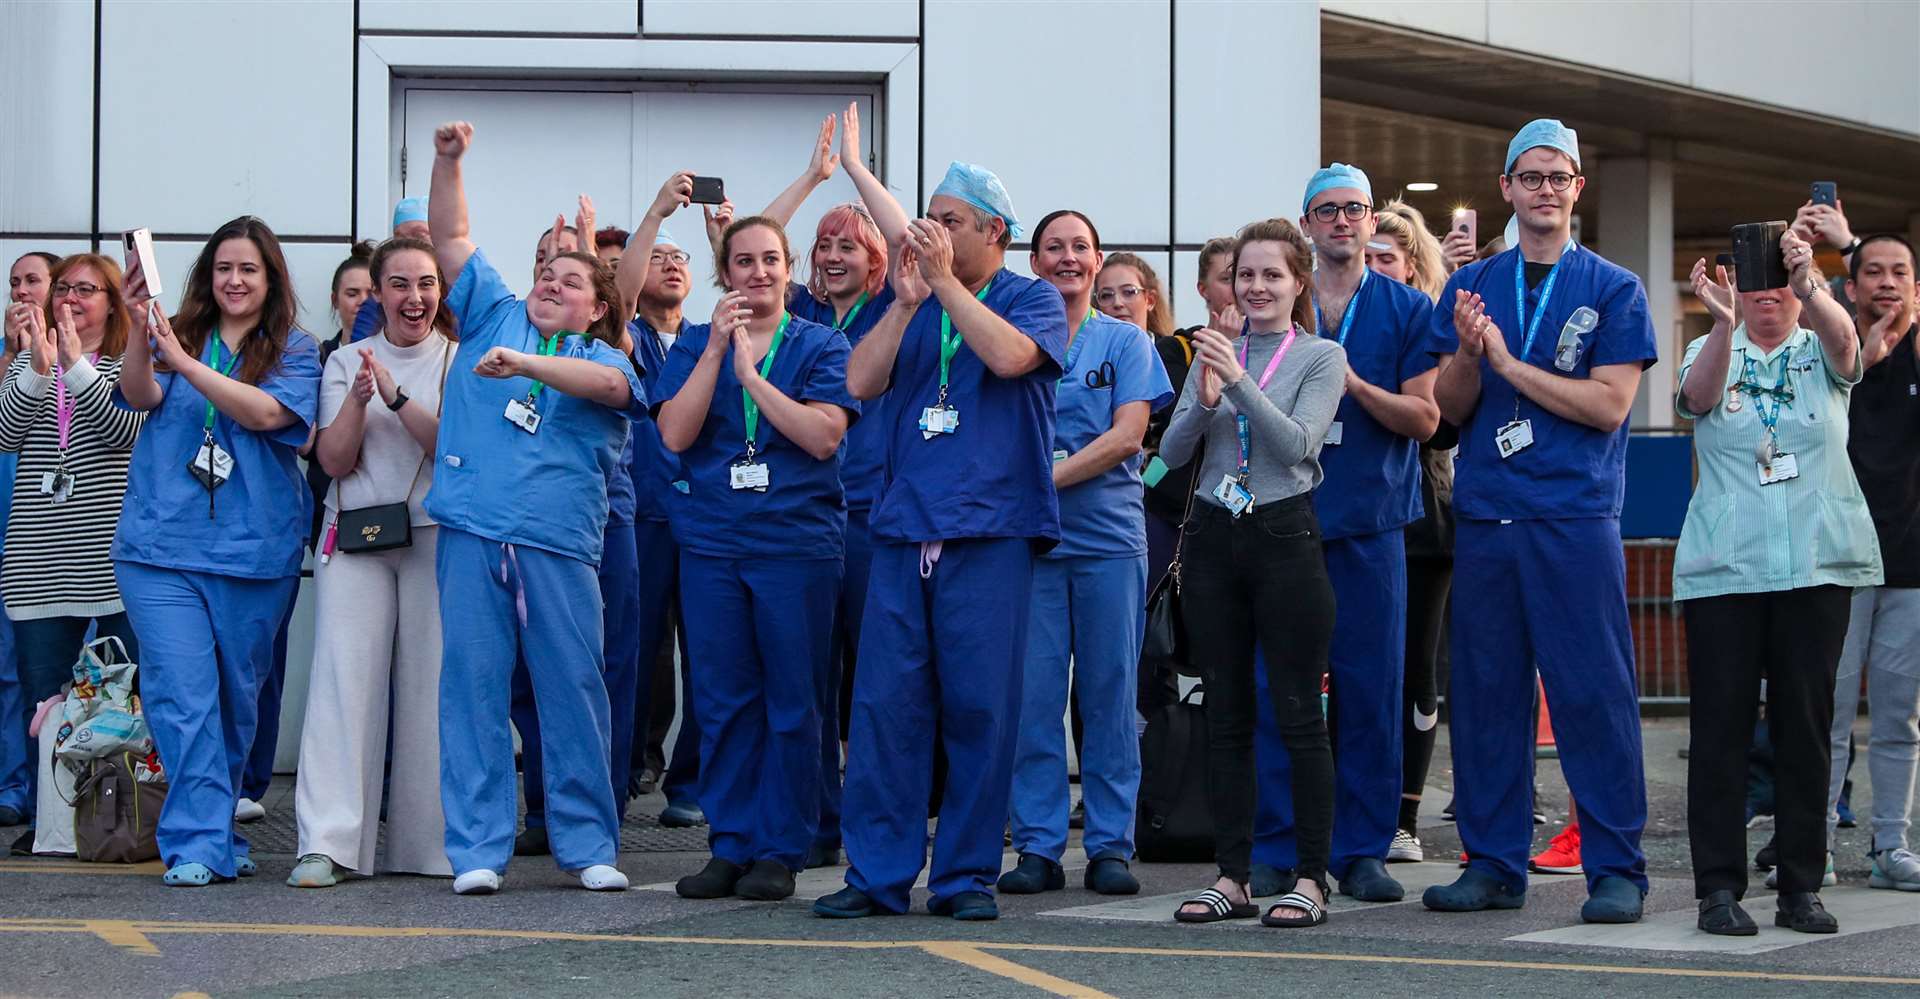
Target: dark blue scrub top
<point x="862" y="456"/>
<point x="1372" y="477"/>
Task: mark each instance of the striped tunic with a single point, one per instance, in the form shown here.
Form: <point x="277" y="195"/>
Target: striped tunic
<point x="57" y="563"/>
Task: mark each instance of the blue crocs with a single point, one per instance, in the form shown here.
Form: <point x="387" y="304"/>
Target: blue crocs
<point x="1267" y="880"/>
<point x="1474" y="891"/>
<point x="1368" y="881"/>
<point x="847" y="903"/>
<point x="968" y="906"/>
<point x="1613" y="900"/>
<point x="1033" y="875"/>
<point x="245" y="867"/>
<point x="187" y="876"/>
<point x="1110" y="876"/>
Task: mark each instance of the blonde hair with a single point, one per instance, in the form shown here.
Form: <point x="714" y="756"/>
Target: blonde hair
<point x="1408" y="227"/>
<point x="1160" y="317"/>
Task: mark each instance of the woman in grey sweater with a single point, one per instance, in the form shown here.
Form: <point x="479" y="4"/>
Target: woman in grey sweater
<point x="1253" y="576"/>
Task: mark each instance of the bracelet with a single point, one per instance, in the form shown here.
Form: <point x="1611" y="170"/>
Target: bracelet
<point x="1818" y="286"/>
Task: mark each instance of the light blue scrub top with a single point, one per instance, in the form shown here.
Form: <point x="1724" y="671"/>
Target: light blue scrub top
<point x="1110" y="363"/>
<point x="1371" y="479"/>
<point x="1814" y="530"/>
<point x="261" y="516"/>
<point x="545" y="489"/>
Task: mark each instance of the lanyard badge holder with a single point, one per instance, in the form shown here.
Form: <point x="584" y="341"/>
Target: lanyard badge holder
<point x="941" y="418"/>
<point x="749" y="473"/>
<point x="1775" y="465"/>
<point x="58" y="484"/>
<point x="1234" y="491"/>
<point x="1336" y="432"/>
<point x="211" y="465"/>
<point x="525" y="413"/>
<point x="1517" y="435"/>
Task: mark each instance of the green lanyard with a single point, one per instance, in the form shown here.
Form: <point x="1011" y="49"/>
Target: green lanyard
<point x="228" y="371"/>
<point x="548" y="347"/>
<point x="950" y="342"/>
<point x="843" y="323"/>
<point x="766" y="365"/>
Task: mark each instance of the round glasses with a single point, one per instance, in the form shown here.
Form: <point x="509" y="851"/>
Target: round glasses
<point x="1353" y="210"/>
<point x="1532" y="179"/>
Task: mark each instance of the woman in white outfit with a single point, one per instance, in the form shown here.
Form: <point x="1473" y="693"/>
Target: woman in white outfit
<point x="377" y="628"/>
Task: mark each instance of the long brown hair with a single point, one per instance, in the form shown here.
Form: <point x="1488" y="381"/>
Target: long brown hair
<point x="1160" y="316"/>
<point x="1299" y="257"/>
<point x="119" y="321"/>
<point x="442" y="316"/>
<point x="609" y="327"/>
<point x="200" y="312"/>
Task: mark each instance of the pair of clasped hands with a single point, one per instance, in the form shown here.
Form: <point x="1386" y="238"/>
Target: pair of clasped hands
<point x="27" y="331"/>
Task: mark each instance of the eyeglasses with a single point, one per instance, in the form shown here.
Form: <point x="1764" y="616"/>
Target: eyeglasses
<point x="1354" y="210"/>
<point x="1532" y="179"/>
<point x="1124" y="293"/>
<point x="63" y="289"/>
<point x="676" y="257"/>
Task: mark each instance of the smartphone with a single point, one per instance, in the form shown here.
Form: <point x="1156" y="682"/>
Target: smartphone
<point x="1825" y="192"/>
<point x="139" y="244"/>
<point x="1756" y="256"/>
<point x="709" y="191"/>
<point x="1468" y="221"/>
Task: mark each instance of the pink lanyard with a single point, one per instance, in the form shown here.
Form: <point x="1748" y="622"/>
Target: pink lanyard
<point x="1273" y="364"/>
<point x="62" y="405"/>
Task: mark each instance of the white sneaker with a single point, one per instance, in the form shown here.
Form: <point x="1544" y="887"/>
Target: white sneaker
<point x="1898" y="869"/>
<point x="248" y="810"/>
<point x="1405" y="849"/>
<point x="603" y="877"/>
<point x="1827" y="880"/>
<point x="480" y="882"/>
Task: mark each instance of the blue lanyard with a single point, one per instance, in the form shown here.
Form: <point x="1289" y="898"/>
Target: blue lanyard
<point x="1346" y="318"/>
<point x="1546" y="294"/>
<point x="1781" y="393"/>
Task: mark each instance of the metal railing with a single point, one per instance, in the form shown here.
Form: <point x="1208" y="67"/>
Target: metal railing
<point x="1659" y="637"/>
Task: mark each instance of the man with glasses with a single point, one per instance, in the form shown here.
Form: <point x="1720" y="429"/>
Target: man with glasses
<point x="1370" y="493"/>
<point x="1551" y="340"/>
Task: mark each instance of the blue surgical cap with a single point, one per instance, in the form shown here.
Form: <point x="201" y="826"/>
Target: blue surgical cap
<point x="663" y="236"/>
<point x="409" y="210"/>
<point x="977" y="186"/>
<point x="1335" y="176"/>
<point x="1547" y="132"/>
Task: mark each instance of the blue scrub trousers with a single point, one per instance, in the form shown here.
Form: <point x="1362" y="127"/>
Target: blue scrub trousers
<point x="1369" y="576"/>
<point x="206" y="641"/>
<point x="941" y="653"/>
<point x="762" y="631"/>
<point x="658" y="558"/>
<point x="836" y="702"/>
<point x="620" y="624"/>
<point x="258" y="775"/>
<point x="16" y="760"/>
<point x="485" y="587"/>
<point x="1551" y="592"/>
<point x="1092" y="611"/>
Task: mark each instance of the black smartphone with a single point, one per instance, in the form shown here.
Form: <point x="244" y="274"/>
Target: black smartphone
<point x="1756" y="256"/>
<point x="709" y="191"/>
<point x="1825" y="192"/>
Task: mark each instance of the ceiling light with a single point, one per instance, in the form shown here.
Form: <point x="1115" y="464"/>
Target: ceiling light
<point x="1423" y="186"/>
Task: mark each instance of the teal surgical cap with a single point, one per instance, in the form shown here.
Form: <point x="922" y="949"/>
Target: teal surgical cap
<point x="977" y="186"/>
<point x="409" y="210"/>
<point x="1547" y="132"/>
<point x="1333" y="177"/>
<point x="663" y="236"/>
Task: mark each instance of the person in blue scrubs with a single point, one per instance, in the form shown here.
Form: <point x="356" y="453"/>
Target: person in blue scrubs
<point x="1370" y="493"/>
<point x="968" y="356"/>
<point x="1090" y="592"/>
<point x="214" y="525"/>
<point x="535" y="415"/>
<point x="1551" y="340"/>
<point x="755" y="406"/>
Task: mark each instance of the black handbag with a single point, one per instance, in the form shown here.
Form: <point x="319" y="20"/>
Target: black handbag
<point x="1173" y="822"/>
<point x="367" y="529"/>
<point x="1165" y="645"/>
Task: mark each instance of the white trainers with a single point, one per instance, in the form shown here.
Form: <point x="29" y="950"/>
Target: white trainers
<point x="603" y="877"/>
<point x="1827" y="880"/>
<point x="1405" y="849"/>
<point x="480" y="882"/>
<point x="248" y="810"/>
<point x="1897" y="869"/>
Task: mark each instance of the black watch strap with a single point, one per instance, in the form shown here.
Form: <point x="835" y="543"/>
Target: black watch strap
<point x="1849" y="249"/>
<point x="399" y="399"/>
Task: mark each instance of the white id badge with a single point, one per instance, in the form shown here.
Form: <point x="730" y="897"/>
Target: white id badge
<point x="1334" y="432"/>
<point x="938" y="420"/>
<point x="1061" y="454"/>
<point x="212" y="465"/>
<point x="1232" y="495"/>
<point x="523" y="416"/>
<point x="1784" y="467"/>
<point x="748" y="475"/>
<point x="58" y="485"/>
<point x="1514" y="438"/>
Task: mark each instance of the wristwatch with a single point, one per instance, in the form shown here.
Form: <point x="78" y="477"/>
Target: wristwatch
<point x="1848" y="249"/>
<point x="399" y="399"/>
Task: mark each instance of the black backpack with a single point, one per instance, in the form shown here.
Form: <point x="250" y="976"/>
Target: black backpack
<point x="1174" y="823"/>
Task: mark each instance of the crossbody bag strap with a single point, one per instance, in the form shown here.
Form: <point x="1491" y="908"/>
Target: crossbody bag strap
<point x="446" y="361"/>
<point x="1180" y="543"/>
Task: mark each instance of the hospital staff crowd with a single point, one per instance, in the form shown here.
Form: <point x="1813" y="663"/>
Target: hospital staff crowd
<point x="903" y="506"/>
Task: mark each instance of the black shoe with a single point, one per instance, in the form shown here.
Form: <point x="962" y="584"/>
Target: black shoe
<point x="768" y="881"/>
<point x="847" y="903"/>
<point x="645" y="781"/>
<point x="1033" y="875"/>
<point x="1447" y="812"/>
<point x="10" y="816"/>
<point x="716" y="880"/>
<point x="823" y="855"/>
<point x="1768" y="858"/>
<point x="1110" y="876"/>
<point x="1367" y="880"/>
<point x="22" y="845"/>
<point x="1801" y="912"/>
<point x="1076" y="819"/>
<point x="1721" y="915"/>
<point x="532" y="843"/>
<point x="968" y="906"/>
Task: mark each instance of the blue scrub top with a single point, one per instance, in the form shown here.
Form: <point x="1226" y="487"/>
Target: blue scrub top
<point x="1110" y="363"/>
<point x="260" y="516"/>
<point x="546" y="489"/>
<point x="864" y="451"/>
<point x="1371" y="478"/>
<point x="1572" y="470"/>
<point x="994" y="477"/>
<point x="621" y="502"/>
<point x="803" y="513"/>
<point x="650" y="466"/>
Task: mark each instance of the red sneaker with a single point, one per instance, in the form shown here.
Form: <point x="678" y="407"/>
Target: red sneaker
<point x="1562" y="856"/>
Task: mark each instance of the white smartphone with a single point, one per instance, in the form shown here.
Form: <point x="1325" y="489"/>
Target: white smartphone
<point x="139" y="244"/>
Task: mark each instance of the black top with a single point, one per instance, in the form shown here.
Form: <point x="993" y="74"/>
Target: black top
<point x="1168" y="500"/>
<point x="1885" y="448"/>
<point x="1537" y="273"/>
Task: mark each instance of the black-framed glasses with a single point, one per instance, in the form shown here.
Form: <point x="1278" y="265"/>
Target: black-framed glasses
<point x="1123" y="293"/>
<point x="1532" y="179"/>
<point x="84" y="290"/>
<point x="1354" y="211"/>
<point x="674" y="257"/>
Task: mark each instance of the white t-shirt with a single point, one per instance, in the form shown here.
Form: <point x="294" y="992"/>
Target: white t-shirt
<point x="391" y="468"/>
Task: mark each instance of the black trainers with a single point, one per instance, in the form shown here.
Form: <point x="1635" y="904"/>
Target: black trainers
<point x="532" y="843"/>
<point x="716" y="880"/>
<point x="767" y="881"/>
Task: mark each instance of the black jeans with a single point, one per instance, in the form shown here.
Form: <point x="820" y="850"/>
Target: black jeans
<point x="1793" y="639"/>
<point x="1261" y="582"/>
<point x="1429" y="581"/>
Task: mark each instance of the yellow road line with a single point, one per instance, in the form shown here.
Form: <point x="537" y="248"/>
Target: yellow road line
<point x="124" y="935"/>
<point x="973" y="956"/>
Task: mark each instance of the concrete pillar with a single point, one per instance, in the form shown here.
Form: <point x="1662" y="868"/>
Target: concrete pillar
<point x="1636" y="232"/>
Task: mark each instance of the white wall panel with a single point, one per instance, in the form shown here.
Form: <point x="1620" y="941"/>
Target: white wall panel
<point x="821" y="18"/>
<point x="1459" y="18"/>
<point x="1650" y="38"/>
<point x="1247" y="124"/>
<point x="311" y="265"/>
<point x="211" y="110"/>
<point x="1189" y="309"/>
<point x="1023" y="104"/>
<point x="1875" y="82"/>
<point x="46" y="159"/>
<point x="614" y="16"/>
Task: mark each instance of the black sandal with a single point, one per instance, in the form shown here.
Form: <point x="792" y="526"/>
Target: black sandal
<point x="1721" y="915"/>
<point x="1219" y="907"/>
<point x="1316" y="912"/>
<point x="1802" y="912"/>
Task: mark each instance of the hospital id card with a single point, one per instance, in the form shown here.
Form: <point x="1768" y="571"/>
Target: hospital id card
<point x="1783" y="467"/>
<point x="938" y="420"/>
<point x="58" y="485"/>
<point x="523" y="416"/>
<point x="1237" y="498"/>
<point x="1514" y="438"/>
<point x="1335" y="431"/>
<point x="749" y="475"/>
<point x="212" y="465"/>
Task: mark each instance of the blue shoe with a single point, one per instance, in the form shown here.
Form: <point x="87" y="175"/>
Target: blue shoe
<point x="188" y="876"/>
<point x="1474" y="891"/>
<point x="1613" y="900"/>
<point x="11" y="816"/>
<point x="1110" y="876"/>
<point x="1368" y="881"/>
<point x="245" y="867"/>
<point x="682" y="814"/>
<point x="847" y="903"/>
<point x="1033" y="875"/>
<point x="968" y="906"/>
<point x="1844" y="810"/>
<point x="1267" y="880"/>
